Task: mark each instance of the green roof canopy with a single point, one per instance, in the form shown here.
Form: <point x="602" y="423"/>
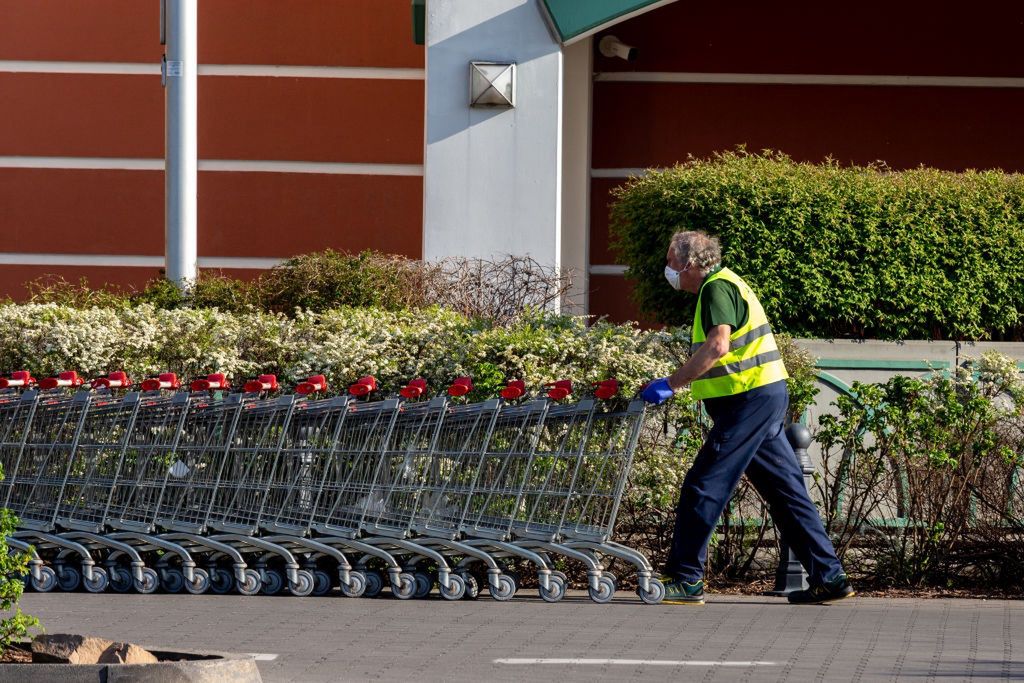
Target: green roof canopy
<point x="571" y="20"/>
<point x="574" y="20"/>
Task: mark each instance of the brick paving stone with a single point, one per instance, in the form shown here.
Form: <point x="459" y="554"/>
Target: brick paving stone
<point x="339" y="639"/>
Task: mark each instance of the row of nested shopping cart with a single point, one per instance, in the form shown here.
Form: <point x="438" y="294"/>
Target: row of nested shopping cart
<point x="199" y="490"/>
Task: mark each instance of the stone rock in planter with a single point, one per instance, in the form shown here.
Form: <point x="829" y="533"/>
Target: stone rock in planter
<point x="63" y="648"/>
<point x="127" y="653"/>
<point x="172" y="667"/>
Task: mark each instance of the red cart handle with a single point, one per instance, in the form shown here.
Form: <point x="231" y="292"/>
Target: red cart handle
<point x="313" y="384"/>
<point x="115" y="380"/>
<point x="215" y="381"/>
<point x="63" y="379"/>
<point x="514" y="390"/>
<point x="261" y="383"/>
<point x="559" y="389"/>
<point x="461" y="386"/>
<point x="19" y="378"/>
<point x="606" y="389"/>
<point x="414" y="389"/>
<point x="363" y="386"/>
<point x="166" y="380"/>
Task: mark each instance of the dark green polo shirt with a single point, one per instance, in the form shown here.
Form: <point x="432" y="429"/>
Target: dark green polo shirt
<point x="721" y="304"/>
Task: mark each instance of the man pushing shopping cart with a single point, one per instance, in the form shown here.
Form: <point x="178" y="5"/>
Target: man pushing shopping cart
<point x="736" y="369"/>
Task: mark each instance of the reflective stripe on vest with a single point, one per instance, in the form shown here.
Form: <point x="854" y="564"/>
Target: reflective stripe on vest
<point x="740" y="341"/>
<point x="753" y="359"/>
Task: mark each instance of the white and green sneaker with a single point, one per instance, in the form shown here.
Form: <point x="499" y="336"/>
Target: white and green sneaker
<point x="679" y="592"/>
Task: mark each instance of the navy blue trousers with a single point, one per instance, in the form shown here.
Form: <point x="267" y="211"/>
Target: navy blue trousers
<point x="748" y="436"/>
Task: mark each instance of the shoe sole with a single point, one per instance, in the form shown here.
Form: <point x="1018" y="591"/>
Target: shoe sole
<point x="828" y="601"/>
<point x="682" y="602"/>
<point x="837" y="599"/>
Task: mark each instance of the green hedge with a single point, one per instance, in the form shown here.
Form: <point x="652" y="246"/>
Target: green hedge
<point x="497" y="291"/>
<point x="837" y="251"/>
<point x="315" y="281"/>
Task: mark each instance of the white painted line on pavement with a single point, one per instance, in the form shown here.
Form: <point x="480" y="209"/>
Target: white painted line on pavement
<point x="632" y="662"/>
<point x="262" y="656"/>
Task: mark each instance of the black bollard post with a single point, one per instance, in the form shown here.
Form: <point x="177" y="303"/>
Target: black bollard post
<point x="790" y="575"/>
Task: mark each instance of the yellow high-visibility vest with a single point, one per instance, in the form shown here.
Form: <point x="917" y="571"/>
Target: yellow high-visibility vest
<point x="753" y="359"/>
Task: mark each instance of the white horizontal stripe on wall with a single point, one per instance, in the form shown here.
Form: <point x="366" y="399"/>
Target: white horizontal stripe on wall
<point x="328" y="167"/>
<point x="250" y="70"/>
<point x="808" y="79"/>
<point x="237" y="262"/>
<point x="95" y="163"/>
<point x="107" y="68"/>
<point x="368" y="72"/>
<point x="130" y="261"/>
<point x="607" y="270"/>
<point x="389" y="73"/>
<point x="620" y="172"/>
<point x="214" y="165"/>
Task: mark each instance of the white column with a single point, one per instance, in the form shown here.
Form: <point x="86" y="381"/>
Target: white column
<point x="576" y="135"/>
<point x="492" y="177"/>
<point x="180" y="170"/>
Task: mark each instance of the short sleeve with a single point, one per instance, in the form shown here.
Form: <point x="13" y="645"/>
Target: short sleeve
<point x="721" y="304"/>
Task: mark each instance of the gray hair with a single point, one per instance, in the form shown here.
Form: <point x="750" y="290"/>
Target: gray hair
<point x="698" y="248"/>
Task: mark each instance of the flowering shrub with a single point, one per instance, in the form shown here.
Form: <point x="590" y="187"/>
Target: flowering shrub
<point x="342" y="344"/>
<point x="394" y="346"/>
<point x="921" y="479"/>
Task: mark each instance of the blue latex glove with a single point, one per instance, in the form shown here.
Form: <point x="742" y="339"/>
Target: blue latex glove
<point x="657" y="392"/>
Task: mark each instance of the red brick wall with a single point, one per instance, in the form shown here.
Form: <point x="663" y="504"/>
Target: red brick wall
<point x="372" y="120"/>
<point x="654" y="124"/>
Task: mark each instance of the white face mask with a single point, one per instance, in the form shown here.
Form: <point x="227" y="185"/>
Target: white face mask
<point x="672" y="276"/>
